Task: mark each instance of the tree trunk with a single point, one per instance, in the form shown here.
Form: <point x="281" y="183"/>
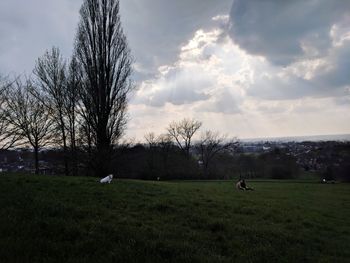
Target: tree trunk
<point x="74" y="158"/>
<point x="103" y="154"/>
<point x="73" y="151"/>
<point x="64" y="140"/>
<point x="74" y="168"/>
<point x="36" y="162"/>
<point x="102" y="161"/>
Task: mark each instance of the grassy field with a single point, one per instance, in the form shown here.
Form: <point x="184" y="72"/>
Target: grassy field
<point x="62" y="219"/>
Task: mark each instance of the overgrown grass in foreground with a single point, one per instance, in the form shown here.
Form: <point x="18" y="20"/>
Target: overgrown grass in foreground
<point x="62" y="219"/>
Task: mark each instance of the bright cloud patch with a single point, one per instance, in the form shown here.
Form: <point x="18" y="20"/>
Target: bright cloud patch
<point x="203" y="76"/>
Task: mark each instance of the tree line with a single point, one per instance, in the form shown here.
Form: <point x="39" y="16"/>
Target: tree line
<point x="208" y="155"/>
<point x="179" y="147"/>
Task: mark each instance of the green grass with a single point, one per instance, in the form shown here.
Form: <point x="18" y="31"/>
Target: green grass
<point x="62" y="219"/>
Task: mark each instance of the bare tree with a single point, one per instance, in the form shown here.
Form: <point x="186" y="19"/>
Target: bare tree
<point x="71" y="101"/>
<point x="28" y="118"/>
<point x="4" y="140"/>
<point x="165" y="144"/>
<point x="211" y="144"/>
<point x="103" y="53"/>
<point x="182" y="132"/>
<point x="151" y="139"/>
<point x="7" y="138"/>
<point x="50" y="71"/>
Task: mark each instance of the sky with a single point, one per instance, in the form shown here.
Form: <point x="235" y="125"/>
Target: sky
<point x="245" y="68"/>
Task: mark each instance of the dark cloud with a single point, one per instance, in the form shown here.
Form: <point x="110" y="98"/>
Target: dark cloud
<point x="278" y="88"/>
<point x="290" y="32"/>
<point x="339" y="74"/>
<point x="282" y="30"/>
<point x="332" y="80"/>
<point x="223" y="101"/>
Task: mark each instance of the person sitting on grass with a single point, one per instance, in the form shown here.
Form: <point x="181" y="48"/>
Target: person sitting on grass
<point x="241" y="185"/>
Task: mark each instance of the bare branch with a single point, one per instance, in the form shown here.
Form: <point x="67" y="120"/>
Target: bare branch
<point x="151" y="139"/>
<point x="53" y="94"/>
<point x="182" y="132"/>
<point x="211" y="144"/>
<point x="8" y="138"/>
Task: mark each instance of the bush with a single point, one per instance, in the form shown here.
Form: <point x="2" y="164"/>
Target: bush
<point x="343" y="172"/>
<point x="281" y="172"/>
<point x="329" y="174"/>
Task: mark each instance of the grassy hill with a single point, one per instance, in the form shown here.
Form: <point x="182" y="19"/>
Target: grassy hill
<point x="62" y="219"/>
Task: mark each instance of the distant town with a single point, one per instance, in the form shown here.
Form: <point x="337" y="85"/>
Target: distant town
<point x="309" y="155"/>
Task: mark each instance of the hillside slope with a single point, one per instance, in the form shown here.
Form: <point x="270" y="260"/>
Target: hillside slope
<point x="63" y="219"/>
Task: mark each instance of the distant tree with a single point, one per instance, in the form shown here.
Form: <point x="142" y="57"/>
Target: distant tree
<point x="211" y="144"/>
<point x="165" y="145"/>
<point x="50" y="72"/>
<point x="328" y="174"/>
<point x="164" y="141"/>
<point x="158" y="151"/>
<point x="3" y="126"/>
<point x="151" y="139"/>
<point x="5" y="143"/>
<point x="29" y="120"/>
<point x="103" y="53"/>
<point x="279" y="165"/>
<point x="8" y="138"/>
<point x="343" y="172"/>
<point x="182" y="133"/>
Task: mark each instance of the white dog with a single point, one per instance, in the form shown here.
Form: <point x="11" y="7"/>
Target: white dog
<point x="107" y="179"/>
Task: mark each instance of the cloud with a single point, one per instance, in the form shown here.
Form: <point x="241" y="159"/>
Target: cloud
<point x="200" y="76"/>
<point x="224" y="101"/>
<point x="217" y="81"/>
<point x="337" y="74"/>
<point x="324" y="76"/>
<point x="285" y="31"/>
<point x="176" y="86"/>
<point x="266" y="70"/>
<point x="156" y="29"/>
<point x="219" y="75"/>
